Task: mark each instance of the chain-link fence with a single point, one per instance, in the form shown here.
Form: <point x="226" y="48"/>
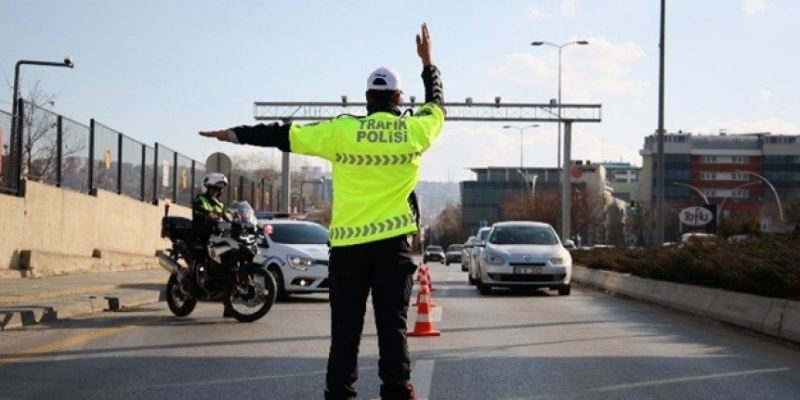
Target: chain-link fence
<point x="105" y="157"/>
<point x="9" y="178"/>
<point x="40" y="144"/>
<point x="149" y="173"/>
<point x="75" y="143"/>
<point x="59" y="151"/>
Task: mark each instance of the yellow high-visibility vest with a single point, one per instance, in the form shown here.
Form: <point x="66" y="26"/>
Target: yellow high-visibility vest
<point x="376" y="161"/>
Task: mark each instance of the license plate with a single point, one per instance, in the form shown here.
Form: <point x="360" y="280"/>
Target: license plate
<point x="528" y="270"/>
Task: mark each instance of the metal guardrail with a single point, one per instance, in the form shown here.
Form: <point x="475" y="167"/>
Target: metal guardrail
<point x="62" y="152"/>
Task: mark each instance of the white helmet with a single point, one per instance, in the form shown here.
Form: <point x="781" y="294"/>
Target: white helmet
<point x="215" y="180"/>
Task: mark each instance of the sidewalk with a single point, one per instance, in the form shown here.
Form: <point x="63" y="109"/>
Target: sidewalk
<point x="25" y="301"/>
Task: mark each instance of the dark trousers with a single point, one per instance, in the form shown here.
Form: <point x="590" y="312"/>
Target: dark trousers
<point x="385" y="268"/>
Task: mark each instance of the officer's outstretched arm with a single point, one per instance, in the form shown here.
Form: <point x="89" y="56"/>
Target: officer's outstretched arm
<point x="271" y="135"/>
<point x="315" y="139"/>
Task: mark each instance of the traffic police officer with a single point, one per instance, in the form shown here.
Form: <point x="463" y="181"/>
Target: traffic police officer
<point x="376" y="161"/>
<point x="206" y="207"/>
<point x="207" y="210"/>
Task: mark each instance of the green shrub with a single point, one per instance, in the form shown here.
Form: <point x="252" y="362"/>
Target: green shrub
<point x="766" y="266"/>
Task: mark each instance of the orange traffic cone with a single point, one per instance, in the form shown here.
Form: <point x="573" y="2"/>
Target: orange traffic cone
<point x="424" y="295"/>
<point x="430" y="279"/>
<point x="424" y="324"/>
<point x="420" y="272"/>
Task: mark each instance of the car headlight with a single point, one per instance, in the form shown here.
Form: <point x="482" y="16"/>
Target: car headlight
<point x="493" y="259"/>
<point x="558" y="260"/>
<point x="299" y="262"/>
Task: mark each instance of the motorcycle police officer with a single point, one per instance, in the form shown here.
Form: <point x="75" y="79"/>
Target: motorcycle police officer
<point x="376" y="161"/>
<point x="207" y="210"/>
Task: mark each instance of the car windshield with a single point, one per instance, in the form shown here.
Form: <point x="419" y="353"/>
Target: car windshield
<point x="484" y="234"/>
<point x="455" y="247"/>
<point x="299" y="234"/>
<point x="523" y="235"/>
<point x="434" y="248"/>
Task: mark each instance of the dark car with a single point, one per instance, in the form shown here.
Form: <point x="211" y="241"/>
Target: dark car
<point x="433" y="253"/>
<point x="453" y="254"/>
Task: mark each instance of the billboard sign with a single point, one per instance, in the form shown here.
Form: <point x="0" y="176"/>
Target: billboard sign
<point x="696" y="216"/>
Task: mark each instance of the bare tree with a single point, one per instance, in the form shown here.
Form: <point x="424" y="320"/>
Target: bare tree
<point x="39" y="136"/>
<point x="447" y="228"/>
<point x="39" y="145"/>
<point x="586" y="214"/>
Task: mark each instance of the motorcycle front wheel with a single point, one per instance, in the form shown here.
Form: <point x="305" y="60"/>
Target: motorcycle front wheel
<point x="180" y="304"/>
<point x="251" y="299"/>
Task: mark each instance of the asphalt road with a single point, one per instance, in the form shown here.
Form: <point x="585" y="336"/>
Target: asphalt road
<point x="511" y="345"/>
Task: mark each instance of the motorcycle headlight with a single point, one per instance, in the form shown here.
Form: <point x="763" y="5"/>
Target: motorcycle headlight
<point x="493" y="259"/>
<point x="299" y="262"/>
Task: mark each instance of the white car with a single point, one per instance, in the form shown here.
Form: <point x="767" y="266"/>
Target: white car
<point x="296" y="253"/>
<point x="466" y="252"/>
<point x="477" y="248"/>
<point x="525" y="255"/>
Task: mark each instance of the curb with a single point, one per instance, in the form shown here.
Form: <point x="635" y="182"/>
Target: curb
<point x="774" y="317"/>
<point x="19" y="316"/>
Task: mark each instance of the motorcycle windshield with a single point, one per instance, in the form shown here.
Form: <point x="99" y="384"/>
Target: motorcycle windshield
<point x="243" y="212"/>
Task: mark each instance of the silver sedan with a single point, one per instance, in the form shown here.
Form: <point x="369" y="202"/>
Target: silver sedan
<point x="523" y="254"/>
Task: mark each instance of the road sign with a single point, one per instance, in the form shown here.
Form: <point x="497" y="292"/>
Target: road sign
<point x="696" y="216"/>
<point x="219" y="162"/>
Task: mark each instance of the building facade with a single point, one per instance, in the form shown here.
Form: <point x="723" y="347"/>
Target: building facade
<point x="724" y="170"/>
<point x="623" y="177"/>
<point x="482" y="199"/>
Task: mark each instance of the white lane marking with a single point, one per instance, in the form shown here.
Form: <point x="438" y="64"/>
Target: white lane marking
<point x="421" y="376"/>
<point x="684" y="379"/>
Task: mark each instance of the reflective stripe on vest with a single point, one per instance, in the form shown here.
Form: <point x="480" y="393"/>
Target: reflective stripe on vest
<point x="217" y="208"/>
<point x="377" y="159"/>
<point x="387" y="225"/>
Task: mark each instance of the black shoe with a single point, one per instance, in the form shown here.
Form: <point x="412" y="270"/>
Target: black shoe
<point x="227" y="313"/>
<point x="402" y="392"/>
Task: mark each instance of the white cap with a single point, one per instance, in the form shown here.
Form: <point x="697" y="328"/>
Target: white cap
<point x="384" y="78"/>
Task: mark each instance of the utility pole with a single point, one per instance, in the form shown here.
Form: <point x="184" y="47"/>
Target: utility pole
<point x="661" y="167"/>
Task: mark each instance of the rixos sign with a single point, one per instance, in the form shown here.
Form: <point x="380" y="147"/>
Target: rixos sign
<point x="696" y="216"/>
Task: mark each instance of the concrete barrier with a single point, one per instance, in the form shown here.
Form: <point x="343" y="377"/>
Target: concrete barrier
<point x="740" y="309"/>
<point x="634" y="286"/>
<point x="790" y="327"/>
<point x="55" y="231"/>
<point x="775" y="317"/>
<point x="693" y="299"/>
<point x="773" y="322"/>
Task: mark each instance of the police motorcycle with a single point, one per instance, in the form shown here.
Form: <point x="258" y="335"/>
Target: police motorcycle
<point x="221" y="270"/>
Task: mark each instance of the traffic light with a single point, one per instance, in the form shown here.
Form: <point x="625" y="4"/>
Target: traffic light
<point x="633" y="206"/>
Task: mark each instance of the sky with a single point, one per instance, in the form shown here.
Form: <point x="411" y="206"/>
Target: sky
<point x="159" y="71"/>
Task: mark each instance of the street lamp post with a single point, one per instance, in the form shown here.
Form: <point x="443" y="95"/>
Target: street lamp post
<point x="774" y="192"/>
<point x="521" y="131"/>
<point x="15" y="123"/>
<point x="722" y="204"/>
<point x="700" y="192"/>
<point x="560" y="48"/>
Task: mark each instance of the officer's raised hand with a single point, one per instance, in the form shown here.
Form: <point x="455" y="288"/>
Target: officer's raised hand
<point x="224" y="135"/>
<point x="424" y="46"/>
